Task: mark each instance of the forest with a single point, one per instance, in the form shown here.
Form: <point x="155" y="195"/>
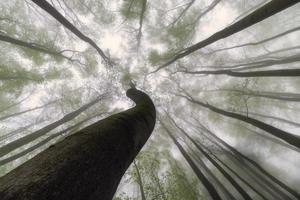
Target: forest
<point x="149" y="100"/>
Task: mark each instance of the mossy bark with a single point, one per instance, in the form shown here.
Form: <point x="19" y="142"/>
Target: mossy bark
<point x="86" y="165"/>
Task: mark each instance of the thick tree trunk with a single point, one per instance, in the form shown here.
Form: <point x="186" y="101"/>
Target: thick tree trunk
<point x="88" y="164"/>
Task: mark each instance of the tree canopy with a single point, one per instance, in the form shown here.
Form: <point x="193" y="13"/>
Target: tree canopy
<point x="224" y="77"/>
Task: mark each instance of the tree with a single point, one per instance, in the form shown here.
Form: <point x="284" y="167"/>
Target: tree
<point x="231" y="99"/>
<point x="103" y="151"/>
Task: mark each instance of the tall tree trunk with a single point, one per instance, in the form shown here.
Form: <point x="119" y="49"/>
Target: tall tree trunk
<point x="36" y="134"/>
<point x="44" y="141"/>
<point x="272" y="139"/>
<point x="257" y="168"/>
<point x="284" y="96"/>
<point x="210" y="188"/>
<point x="182" y="13"/>
<point x="276" y="118"/>
<point x="258" y="15"/>
<point x="32" y="46"/>
<point x="59" y="17"/>
<point x="141" y="20"/>
<point x="86" y="165"/>
<point x="239" y="177"/>
<point x="26" y="111"/>
<point x="257" y="43"/>
<point x="288" y="137"/>
<point x="214" y="180"/>
<point x="225" y="174"/>
<point x="250" y="174"/>
<point x="265" y="73"/>
<point x="140" y="181"/>
<point x="15" y="103"/>
<point x="226" y="69"/>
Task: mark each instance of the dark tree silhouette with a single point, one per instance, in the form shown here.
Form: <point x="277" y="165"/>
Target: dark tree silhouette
<point x="265" y="73"/>
<point x="88" y="164"/>
<point x="207" y="184"/>
<point x="258" y="15"/>
<point x="220" y="168"/>
<point x="288" y="137"/>
<point x="59" y="17"/>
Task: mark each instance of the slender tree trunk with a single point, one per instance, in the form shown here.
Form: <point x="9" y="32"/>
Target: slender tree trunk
<point x="216" y="182"/>
<point x="225" y="174"/>
<point x="13" y="77"/>
<point x="266" y="73"/>
<point x="258" y="15"/>
<point x="26" y="111"/>
<point x="210" y="188"/>
<point x="276" y="118"/>
<point x="32" y="46"/>
<point x="140" y="182"/>
<point x="59" y="17"/>
<point x="227" y="69"/>
<point x="207" y="10"/>
<point x="182" y="13"/>
<point x="86" y="165"/>
<point x="272" y="139"/>
<point x="44" y="141"/>
<point x="239" y="177"/>
<point x="251" y="175"/>
<point x="259" y="42"/>
<point x="270" y="95"/>
<point x="242" y="158"/>
<point x="288" y="137"/>
<point x="141" y="20"/>
<point x="32" y="136"/>
<point x="15" y="104"/>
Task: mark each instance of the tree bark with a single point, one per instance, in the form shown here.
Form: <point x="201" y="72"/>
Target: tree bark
<point x="258" y="15"/>
<point x="89" y="164"/>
